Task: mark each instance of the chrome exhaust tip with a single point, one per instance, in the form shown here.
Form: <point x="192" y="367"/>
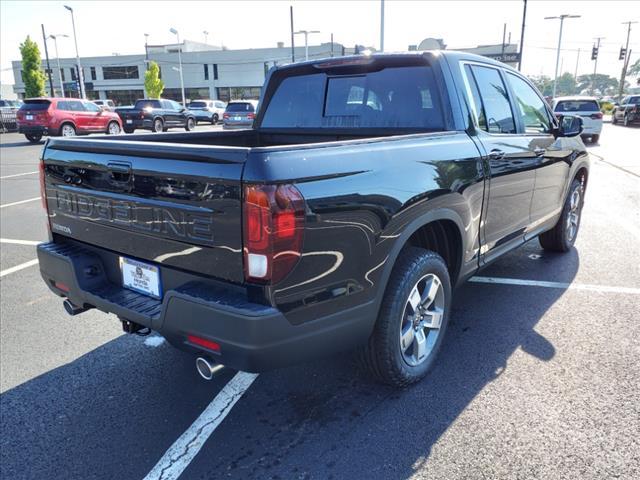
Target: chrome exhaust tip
<point x="206" y="368"/>
<point x="73" y="309"/>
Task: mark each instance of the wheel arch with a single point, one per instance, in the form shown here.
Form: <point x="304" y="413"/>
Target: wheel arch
<point x="432" y="231"/>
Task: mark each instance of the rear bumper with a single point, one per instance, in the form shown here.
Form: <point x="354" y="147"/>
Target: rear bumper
<point x="237" y="126"/>
<point x="252" y="337"/>
<point x="33" y="129"/>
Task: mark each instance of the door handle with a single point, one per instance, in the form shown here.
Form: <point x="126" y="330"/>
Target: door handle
<point x="119" y="172"/>
<point x="496" y="154"/>
<point x="539" y="151"/>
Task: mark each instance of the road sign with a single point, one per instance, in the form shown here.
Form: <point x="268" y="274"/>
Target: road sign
<point x="503" y="57"/>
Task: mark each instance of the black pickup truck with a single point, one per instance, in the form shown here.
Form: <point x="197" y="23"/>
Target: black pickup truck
<point x="367" y="190"/>
<point x="628" y="111"/>
<point x="157" y="115"/>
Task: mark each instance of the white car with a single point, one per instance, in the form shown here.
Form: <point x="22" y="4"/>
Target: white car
<point x="106" y="104"/>
<point x="586" y="107"/>
<point x="207" y="110"/>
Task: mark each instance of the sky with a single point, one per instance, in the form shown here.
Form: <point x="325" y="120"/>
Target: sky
<point x="108" y="27"/>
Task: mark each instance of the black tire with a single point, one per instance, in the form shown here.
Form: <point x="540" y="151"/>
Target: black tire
<point x="383" y="355"/>
<point x="158" y="125"/>
<point x="595" y="138"/>
<point x="33" y="137"/>
<point x="128" y="130"/>
<point x="561" y="238"/>
<point x="190" y="124"/>
<point x="215" y="119"/>
<point x="626" y="121"/>
<point x="614" y="120"/>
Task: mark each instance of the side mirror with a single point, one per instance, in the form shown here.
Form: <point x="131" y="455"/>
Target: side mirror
<point x="570" y="126"/>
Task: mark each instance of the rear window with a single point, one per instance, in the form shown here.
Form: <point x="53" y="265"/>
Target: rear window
<point x="35" y="105"/>
<point x="577" y="106"/>
<point x="197" y="104"/>
<point x="240" y="107"/>
<point x="396" y="97"/>
<point x="142" y="104"/>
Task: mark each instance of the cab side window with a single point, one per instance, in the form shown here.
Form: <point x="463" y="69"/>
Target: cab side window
<point x="495" y="100"/>
<point x="530" y="106"/>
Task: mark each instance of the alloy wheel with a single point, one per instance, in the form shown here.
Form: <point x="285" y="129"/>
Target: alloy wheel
<point x="68" y="131"/>
<point x="421" y="320"/>
<point x="573" y="218"/>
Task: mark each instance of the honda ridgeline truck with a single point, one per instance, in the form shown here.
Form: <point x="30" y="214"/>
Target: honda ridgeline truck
<point x="368" y="188"/>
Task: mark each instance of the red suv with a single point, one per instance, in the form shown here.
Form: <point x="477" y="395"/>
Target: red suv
<point x="66" y="117"/>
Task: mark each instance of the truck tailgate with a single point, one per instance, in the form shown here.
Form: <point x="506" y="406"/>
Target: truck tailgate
<point x="169" y="204"/>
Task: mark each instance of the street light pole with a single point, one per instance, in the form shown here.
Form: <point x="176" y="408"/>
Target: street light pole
<point x="175" y="32"/>
<point x="146" y="50"/>
<point x="561" y="18"/>
<point x="306" y="34"/>
<point x="75" y="39"/>
<point x="55" y="43"/>
<point x="524" y="19"/>
<point x="625" y="63"/>
<point x="206" y="35"/>
<point x="595" y="66"/>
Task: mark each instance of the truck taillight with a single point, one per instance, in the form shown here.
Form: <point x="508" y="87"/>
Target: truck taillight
<point x="596" y="116"/>
<point x="251" y="116"/>
<point x="225" y="115"/>
<point x="43" y="195"/>
<point x="273" y="231"/>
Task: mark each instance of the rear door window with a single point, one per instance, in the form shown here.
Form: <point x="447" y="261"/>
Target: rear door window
<point x="495" y="100"/>
<point x="568" y="106"/>
<point x="394" y="97"/>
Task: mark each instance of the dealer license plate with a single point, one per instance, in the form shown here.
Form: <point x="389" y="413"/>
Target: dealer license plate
<point x="141" y="277"/>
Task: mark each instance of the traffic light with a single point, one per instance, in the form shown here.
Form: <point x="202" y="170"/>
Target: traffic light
<point x="623" y="53"/>
<point x="594" y="53"/>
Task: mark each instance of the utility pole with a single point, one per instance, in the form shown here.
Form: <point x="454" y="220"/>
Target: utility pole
<point x="524" y="18"/>
<point x="146" y="51"/>
<point x="382" y="25"/>
<point x="625" y="63"/>
<point x="594" y="56"/>
<point x="504" y="37"/>
<point x="293" y="46"/>
<point x="75" y="39"/>
<point x="575" y="75"/>
<point x="46" y="53"/>
<point x="561" y="18"/>
<point x="332" y="44"/>
<point x="206" y="35"/>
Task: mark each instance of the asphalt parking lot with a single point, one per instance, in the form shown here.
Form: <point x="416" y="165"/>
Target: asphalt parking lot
<point x="537" y="378"/>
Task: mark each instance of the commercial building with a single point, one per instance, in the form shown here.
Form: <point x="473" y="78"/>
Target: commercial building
<point x="209" y="71"/>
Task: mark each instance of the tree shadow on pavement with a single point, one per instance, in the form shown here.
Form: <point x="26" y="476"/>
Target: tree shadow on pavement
<point x="113" y="412"/>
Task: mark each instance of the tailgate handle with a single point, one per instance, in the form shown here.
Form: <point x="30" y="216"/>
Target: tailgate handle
<point x="119" y="172"/>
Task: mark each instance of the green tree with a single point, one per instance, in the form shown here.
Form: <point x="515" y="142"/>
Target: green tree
<point x="153" y="84"/>
<point x="32" y="74"/>
<point x="635" y="68"/>
<point x="566" y="85"/>
<point x="601" y="83"/>
<point x="543" y="83"/>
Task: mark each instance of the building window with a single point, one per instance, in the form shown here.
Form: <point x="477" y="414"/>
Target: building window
<point x="189" y="94"/>
<point x="206" y="71"/>
<point x="120" y="73"/>
<point x="62" y="74"/>
<point x="124" y="97"/>
<point x="73" y="74"/>
<point x="227" y="94"/>
<point x="93" y="73"/>
<point x="215" y="71"/>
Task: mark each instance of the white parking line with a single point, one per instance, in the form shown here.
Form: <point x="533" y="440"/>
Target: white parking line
<point x="564" y="286"/>
<point x="20" y="202"/>
<point x="17" y="268"/>
<point x="183" y="451"/>
<point x="19" y="242"/>
<point x="18" y="175"/>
